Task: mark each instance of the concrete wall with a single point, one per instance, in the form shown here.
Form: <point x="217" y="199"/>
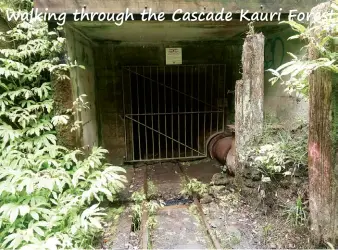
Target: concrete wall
<point x="108" y="61"/>
<point x="110" y="103"/>
<point x="83" y="82"/>
<point x="137" y="6"/>
<point x="3" y="28"/>
<point x="277" y="103"/>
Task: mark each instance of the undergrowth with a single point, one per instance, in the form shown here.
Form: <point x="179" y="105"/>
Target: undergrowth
<point x="279" y="152"/>
<point x="194" y="187"/>
<point x="280" y="155"/>
<point x="138" y="198"/>
<point x="50" y="196"/>
<point x="297" y="213"/>
<point x="140" y="204"/>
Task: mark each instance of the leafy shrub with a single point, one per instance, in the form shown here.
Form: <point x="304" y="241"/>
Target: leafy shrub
<point x="49" y="196"/>
<point x="279" y="152"/>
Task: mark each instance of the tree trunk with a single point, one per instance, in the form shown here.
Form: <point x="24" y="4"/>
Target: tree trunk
<point x="249" y="95"/>
<point x="322" y="150"/>
<point x="335" y="141"/>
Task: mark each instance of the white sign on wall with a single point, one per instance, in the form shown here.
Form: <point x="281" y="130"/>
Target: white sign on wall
<point x="173" y="56"/>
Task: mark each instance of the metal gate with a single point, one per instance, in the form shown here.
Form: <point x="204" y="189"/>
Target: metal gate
<point x="171" y="111"/>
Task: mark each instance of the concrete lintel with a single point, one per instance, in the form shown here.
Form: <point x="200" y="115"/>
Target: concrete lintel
<point x="117" y="6"/>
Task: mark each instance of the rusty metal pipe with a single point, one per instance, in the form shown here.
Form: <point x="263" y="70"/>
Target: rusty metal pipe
<point x="221" y="147"/>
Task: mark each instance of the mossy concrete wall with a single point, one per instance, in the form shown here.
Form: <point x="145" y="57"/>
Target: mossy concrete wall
<point x="3" y="28"/>
<point x="279" y="105"/>
<point x="83" y="82"/>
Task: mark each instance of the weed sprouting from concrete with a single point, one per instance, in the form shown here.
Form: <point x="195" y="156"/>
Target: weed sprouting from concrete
<point x="151" y="190"/>
<point x="194" y="187"/>
<point x="251" y="30"/>
<point x="138" y="198"/>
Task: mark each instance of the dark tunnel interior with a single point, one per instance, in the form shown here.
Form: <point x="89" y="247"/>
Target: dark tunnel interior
<point x="174" y="109"/>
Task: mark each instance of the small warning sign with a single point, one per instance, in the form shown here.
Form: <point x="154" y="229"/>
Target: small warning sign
<point x="173" y="56"/>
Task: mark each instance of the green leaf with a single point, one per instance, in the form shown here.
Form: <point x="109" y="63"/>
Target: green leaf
<point x="95" y="222"/>
<point x="35" y="215"/>
<point x="13" y="214"/>
<point x="30" y="187"/>
<point x="285" y="65"/>
<point x="60" y="120"/>
<point x="16" y="242"/>
<point x="290" y="69"/>
<point x="24" y="209"/>
<point x="295" y="26"/>
<point x="2" y="85"/>
<point x="294" y="37"/>
<point x="39" y="231"/>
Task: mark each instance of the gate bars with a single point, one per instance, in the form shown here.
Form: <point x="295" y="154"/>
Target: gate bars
<point x="171" y="111"/>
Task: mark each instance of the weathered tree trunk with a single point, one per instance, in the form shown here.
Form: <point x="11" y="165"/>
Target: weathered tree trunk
<point x="249" y="94"/>
<point x="322" y="148"/>
<point x="335" y="141"/>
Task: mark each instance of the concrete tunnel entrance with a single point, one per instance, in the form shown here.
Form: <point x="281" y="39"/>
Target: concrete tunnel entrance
<point x="143" y="109"/>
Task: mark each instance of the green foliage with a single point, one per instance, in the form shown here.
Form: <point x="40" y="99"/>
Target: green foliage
<point x="140" y="203"/>
<point x="153" y="207"/>
<point x="319" y="37"/>
<point x="138" y="198"/>
<point x="49" y="196"/>
<point x="194" y="187"/>
<point x="17" y="4"/>
<point x="297" y="213"/>
<point x="78" y="105"/>
<point x="279" y="152"/>
<point x="267" y="231"/>
<point x="151" y="190"/>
